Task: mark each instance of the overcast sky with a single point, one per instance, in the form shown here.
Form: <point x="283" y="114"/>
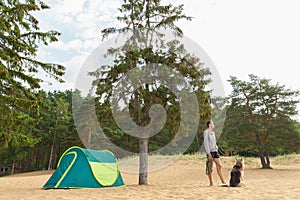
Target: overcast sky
<point x="241" y="37"/>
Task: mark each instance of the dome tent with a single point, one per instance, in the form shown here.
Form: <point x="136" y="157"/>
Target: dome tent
<point x="85" y="168"/>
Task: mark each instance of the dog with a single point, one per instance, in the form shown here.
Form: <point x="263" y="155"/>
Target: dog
<point x="237" y="173"/>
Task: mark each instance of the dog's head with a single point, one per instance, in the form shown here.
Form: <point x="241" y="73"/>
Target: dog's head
<point x="239" y="163"/>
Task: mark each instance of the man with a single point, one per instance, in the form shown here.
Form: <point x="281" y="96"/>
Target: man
<point x="211" y="149"/>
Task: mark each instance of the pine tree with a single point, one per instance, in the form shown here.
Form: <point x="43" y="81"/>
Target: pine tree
<point x="145" y="19"/>
<point x="258" y="117"/>
<point x="19" y="39"/>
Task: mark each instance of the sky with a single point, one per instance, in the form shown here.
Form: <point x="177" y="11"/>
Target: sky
<point x="241" y="37"/>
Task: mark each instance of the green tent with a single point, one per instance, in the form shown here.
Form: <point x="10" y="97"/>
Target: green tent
<point x="85" y="168"/>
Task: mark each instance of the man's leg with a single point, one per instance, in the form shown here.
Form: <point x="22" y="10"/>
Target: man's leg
<point x="210" y="179"/>
<point x="219" y="169"/>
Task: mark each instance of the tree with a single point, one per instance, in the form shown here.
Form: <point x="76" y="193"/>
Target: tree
<point x="259" y="115"/>
<point x="62" y="117"/>
<point x="144" y="19"/>
<point x="219" y="108"/>
<point x="83" y="108"/>
<point x="56" y="131"/>
<point x="19" y="40"/>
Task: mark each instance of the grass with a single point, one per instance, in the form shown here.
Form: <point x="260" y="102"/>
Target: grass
<point x="227" y="161"/>
<point x="281" y="160"/>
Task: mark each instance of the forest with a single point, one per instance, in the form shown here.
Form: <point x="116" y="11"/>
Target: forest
<point x="37" y="126"/>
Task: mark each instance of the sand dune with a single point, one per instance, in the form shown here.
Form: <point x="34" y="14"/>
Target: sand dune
<point x="183" y="179"/>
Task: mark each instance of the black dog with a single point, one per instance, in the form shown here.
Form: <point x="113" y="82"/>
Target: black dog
<point x="237" y="174"/>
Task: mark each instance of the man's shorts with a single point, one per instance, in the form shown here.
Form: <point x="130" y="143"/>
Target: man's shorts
<point x="215" y="154"/>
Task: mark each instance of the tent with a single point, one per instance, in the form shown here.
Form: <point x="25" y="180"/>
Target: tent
<point x="85" y="168"/>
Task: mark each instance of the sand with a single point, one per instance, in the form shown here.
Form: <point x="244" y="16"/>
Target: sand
<point x="183" y="179"/>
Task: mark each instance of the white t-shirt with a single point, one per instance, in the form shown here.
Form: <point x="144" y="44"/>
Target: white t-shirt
<point x="210" y="143"/>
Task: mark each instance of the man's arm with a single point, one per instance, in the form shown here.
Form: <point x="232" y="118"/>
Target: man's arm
<point x="206" y="144"/>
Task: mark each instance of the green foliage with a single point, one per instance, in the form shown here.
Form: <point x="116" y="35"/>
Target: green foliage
<point x="31" y="148"/>
<point x="20" y="103"/>
<point x="145" y="20"/>
<point x="18" y="148"/>
<point x="259" y="118"/>
<point x="56" y="128"/>
<point x="150" y="14"/>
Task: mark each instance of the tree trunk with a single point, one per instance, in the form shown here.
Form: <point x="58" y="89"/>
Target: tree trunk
<point x="143" y="142"/>
<point x="143" y="170"/>
<point x="45" y="161"/>
<point x="268" y="160"/>
<point x="262" y="159"/>
<point x="143" y="146"/>
<point x="30" y="160"/>
<point x="89" y="132"/>
<point x="89" y="137"/>
<point x="51" y="155"/>
<point x="12" y="169"/>
<point x="38" y="159"/>
<point x="265" y="160"/>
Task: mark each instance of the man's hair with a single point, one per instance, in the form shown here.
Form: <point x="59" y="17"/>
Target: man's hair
<point x="208" y="123"/>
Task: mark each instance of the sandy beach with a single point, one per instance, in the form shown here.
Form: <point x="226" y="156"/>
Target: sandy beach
<point x="183" y="179"/>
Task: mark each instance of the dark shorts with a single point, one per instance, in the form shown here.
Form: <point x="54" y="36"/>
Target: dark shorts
<point x="215" y="154"/>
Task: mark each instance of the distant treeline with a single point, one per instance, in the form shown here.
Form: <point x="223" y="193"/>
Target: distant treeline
<point x="41" y="147"/>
